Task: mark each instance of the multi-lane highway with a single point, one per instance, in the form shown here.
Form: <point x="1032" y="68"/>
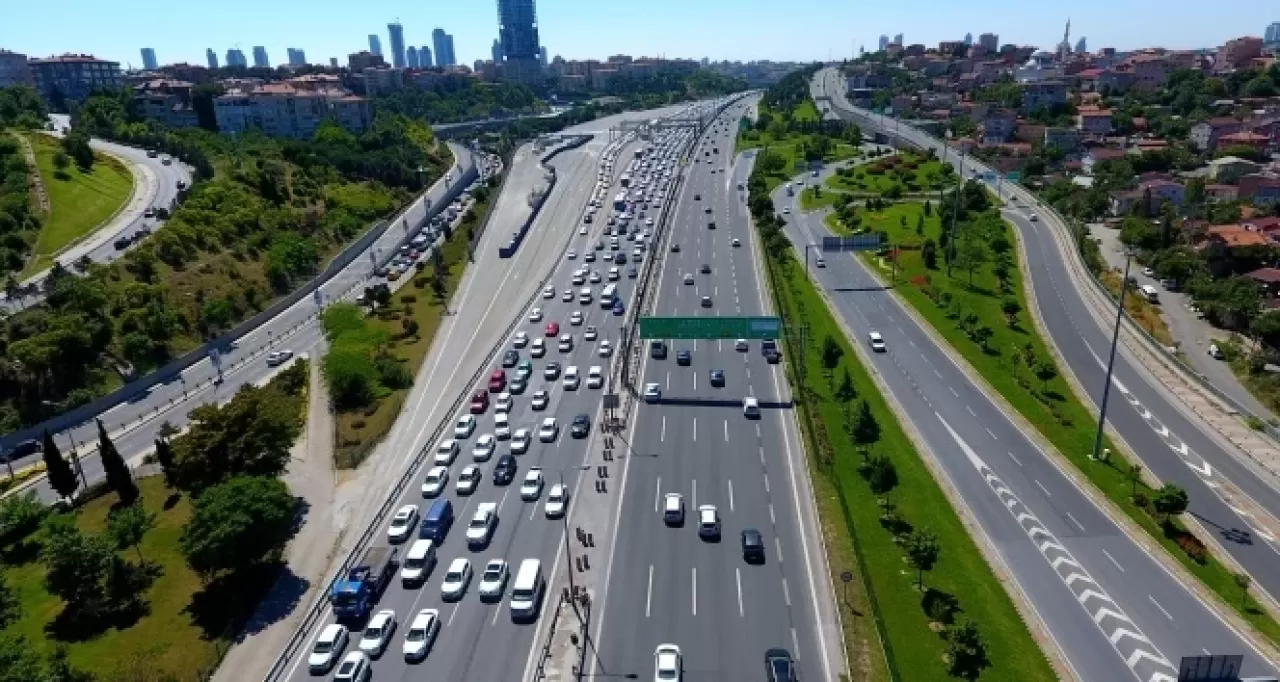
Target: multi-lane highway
<point x="1232" y="498"/>
<point x="665" y="583"/>
<point x="1096" y="590"/>
<point x="479" y="640"/>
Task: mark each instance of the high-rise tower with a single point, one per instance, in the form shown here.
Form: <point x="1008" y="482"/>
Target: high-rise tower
<point x="396" y="32"/>
<point x="375" y="44"/>
<point x="518" y="33"/>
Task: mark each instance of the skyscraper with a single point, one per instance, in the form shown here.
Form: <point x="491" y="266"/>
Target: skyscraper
<point x="333" y="62"/>
<point x="297" y="56"/>
<point x="1082" y="46"/>
<point x="518" y="33"/>
<point x="448" y="43"/>
<point x="1272" y="34"/>
<point x="149" y="59"/>
<point x="424" y="57"/>
<point x="496" y="51"/>
<point x="443" y="43"/>
<point x="990" y="41"/>
<point x="260" y="57"/>
<point x="375" y="44"/>
<point x="236" y="58"/>
<point x="211" y="57"/>
<point x="884" y="42"/>
<point x="397" y="44"/>
<point x="542" y="56"/>
<point x="897" y="38"/>
<point x="411" y="57"/>
<point x="968" y="39"/>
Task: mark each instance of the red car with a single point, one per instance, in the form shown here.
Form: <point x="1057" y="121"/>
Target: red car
<point x="479" y="402"/>
<point x="553" y="329"/>
<point x="497" y="381"/>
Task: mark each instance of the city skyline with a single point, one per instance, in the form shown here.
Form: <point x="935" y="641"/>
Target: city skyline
<point x="737" y="34"/>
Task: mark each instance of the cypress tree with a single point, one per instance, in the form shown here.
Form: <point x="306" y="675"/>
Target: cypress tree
<point x="118" y="476"/>
<point x="61" y="476"/>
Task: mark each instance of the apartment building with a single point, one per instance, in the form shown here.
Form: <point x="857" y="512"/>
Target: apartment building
<point x="71" y="77"/>
<point x="1044" y="94"/>
<point x="14" y="69"/>
<point x="1093" y="121"/>
<point x="166" y="101"/>
<point x="284" y="110"/>
<point x="1205" y="135"/>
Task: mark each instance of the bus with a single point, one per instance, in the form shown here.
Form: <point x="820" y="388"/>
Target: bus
<point x="607" y="296"/>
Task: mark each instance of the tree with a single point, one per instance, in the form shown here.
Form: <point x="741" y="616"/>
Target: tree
<point x="76" y="565"/>
<point x="970" y="254"/>
<point x="119" y="477"/>
<point x="1243" y="581"/>
<point x="238" y="523"/>
<point x="10" y="604"/>
<point x="966" y="650"/>
<point x="922" y="551"/>
<point x="249" y="436"/>
<point x="1046" y="371"/>
<point x="76" y="145"/>
<point x="1266" y="329"/>
<point x="929" y="254"/>
<point x="883" y="478"/>
<point x="866" y="430"/>
<point x="19" y="661"/>
<point x="920" y="225"/>
<point x="1010" y="307"/>
<point x="164" y="457"/>
<point x="831" y="353"/>
<point x="1170" y="500"/>
<point x="128" y="525"/>
<point x="1134" y="474"/>
<point x="62" y="477"/>
<point x="981" y="335"/>
<point x="846" y="391"/>
<point x="60" y="160"/>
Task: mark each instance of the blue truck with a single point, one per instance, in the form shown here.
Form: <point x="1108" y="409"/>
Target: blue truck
<point x="354" y="594"/>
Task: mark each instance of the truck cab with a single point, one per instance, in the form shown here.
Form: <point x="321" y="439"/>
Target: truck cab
<point x="354" y="594"/>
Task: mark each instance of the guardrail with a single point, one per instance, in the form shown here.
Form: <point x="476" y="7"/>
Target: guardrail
<point x="170" y="372"/>
<point x="517" y="238"/>
<point x="1078" y="232"/>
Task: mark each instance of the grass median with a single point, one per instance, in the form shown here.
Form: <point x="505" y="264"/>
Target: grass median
<point x="885" y="610"/>
<point x="981" y="311"/>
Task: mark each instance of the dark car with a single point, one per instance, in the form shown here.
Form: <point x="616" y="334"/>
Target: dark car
<point x="706" y="268"/>
<point x="580" y="427"/>
<point x="717" y="378"/>
<point x="779" y="666"/>
<point x="711" y="225"/>
<point x="684" y="357"/>
<point x="752" y="543"/>
<point x="708" y="210"/>
<point x="620" y="258"/>
<point x="510" y="358"/>
<point x="675" y="248"/>
<point x="618" y="308"/>
<point x="27" y="447"/>
<point x="505" y="471"/>
<point x="697" y="197"/>
<point x="633" y="273"/>
<point x="658" y="350"/>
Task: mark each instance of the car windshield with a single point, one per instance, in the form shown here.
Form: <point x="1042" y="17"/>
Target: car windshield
<point x="324" y="646"/>
<point x="346" y="667"/>
<point x="373" y="632"/>
<point x="417" y="635"/>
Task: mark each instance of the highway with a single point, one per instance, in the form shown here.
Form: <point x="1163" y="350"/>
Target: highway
<point x="494" y="303"/>
<point x="665" y="584"/>
<point x="1230" y="496"/>
<point x="1113" y="610"/>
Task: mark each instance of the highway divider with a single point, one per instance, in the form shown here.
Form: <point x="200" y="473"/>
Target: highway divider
<point x="509" y="249"/>
<point x="173" y="370"/>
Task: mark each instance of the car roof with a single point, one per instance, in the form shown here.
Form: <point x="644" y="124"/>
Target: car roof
<point x="331" y="632"/>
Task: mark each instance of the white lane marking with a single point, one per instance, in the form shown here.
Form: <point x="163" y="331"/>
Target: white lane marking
<point x="726" y="430"/>
<point x="990" y="433"/>
<point x="786" y="592"/>
<point x="1113" y="560"/>
<point x="1015" y="459"/>
<point x="695" y="429"/>
<point x="777" y="545"/>
<point x="454" y="612"/>
<point x="772" y="518"/>
<point x="953" y="392"/>
<point x="766" y="483"/>
<point x="737" y="575"/>
<point x="668" y="381"/>
<point x="1158" y="606"/>
<point x="648" y="594"/>
<point x="663" y="435"/>
<point x="938" y="373"/>
<point x="695" y="591"/>
<point x="694" y="494"/>
<point x="1041" y="486"/>
<point x="657" y="493"/>
<point x="731" y="494"/>
<point x="1073" y="520"/>
<point x="970" y="409"/>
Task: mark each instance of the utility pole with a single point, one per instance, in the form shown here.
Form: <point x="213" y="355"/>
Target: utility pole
<point x="955" y="210"/>
<point x="1111" y="361"/>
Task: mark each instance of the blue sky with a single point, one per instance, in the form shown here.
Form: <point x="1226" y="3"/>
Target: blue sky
<point x="180" y="30"/>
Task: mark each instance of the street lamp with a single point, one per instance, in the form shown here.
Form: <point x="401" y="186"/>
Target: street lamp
<point x="1111" y="360"/>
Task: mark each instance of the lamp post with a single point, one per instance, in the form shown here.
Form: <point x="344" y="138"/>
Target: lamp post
<point x="1111" y="360"/>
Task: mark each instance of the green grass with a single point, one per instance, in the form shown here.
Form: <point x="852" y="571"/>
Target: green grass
<point x="168" y="639"/>
<point x="811" y="201"/>
<point x="806" y="111"/>
<point x="851" y="514"/>
<point x="78" y="204"/>
<point x="919" y="175"/>
<point x="790" y="147"/>
<point x="1051" y="406"/>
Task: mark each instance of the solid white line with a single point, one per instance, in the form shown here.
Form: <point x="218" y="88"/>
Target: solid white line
<point x="648" y="595"/>
<point x="695" y="592"/>
<point x="1113" y="560"/>
<point x="731" y="494"/>
<point x="1046" y="490"/>
<point x="1158" y="606"/>
<point x="657" y="493"/>
<point x="737" y="574"/>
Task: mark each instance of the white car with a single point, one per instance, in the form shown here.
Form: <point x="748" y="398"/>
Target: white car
<point x="456" y="580"/>
<point x="575" y="319"/>
<point x="354" y="668"/>
<point x="673" y="508"/>
<point x="535" y="315"/>
<point x="877" y="342"/>
<point x="571" y="378"/>
<point x="605" y="349"/>
<point x="531" y="487"/>
<point x="582" y="230"/>
<point x="540" y="400"/>
<point x="403" y="523"/>
<point x="708" y="522"/>
<point x="377" y="634"/>
<point x="549" y="430"/>
<point x="567" y="296"/>
<point x="501" y="426"/>
<point x="327" y="648"/>
<point x="566" y="343"/>
<point x="421" y="635"/>
<point x="590" y="333"/>
<point x="521" y="340"/>
<point x="548" y="292"/>
<point x="538" y="349"/>
<point x="435" y="482"/>
<point x="480" y="529"/>
<point x="446" y="452"/>
<point x="465" y="426"/>
<point x="571" y="255"/>
<point x="468" y="480"/>
<point x="652" y="392"/>
<point x="503" y="403"/>
<point x="493" y="581"/>
<point x="520" y="441"/>
<point x="557" y="501"/>
<point x="484" y="447"/>
<point x="595" y="277"/>
<point x="595" y="377"/>
<point x="736" y="242"/>
<point x="667" y="665"/>
<point x="614" y="274"/>
<point x="688" y="278"/>
<point x="741" y="345"/>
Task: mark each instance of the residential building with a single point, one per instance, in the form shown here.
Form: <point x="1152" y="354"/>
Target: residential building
<point x="1269" y="129"/>
<point x="375" y="44"/>
<point x="382" y="80"/>
<point x="521" y="48"/>
<point x="1046" y="94"/>
<point x="1218" y="192"/>
<point x="260" y="59"/>
<point x="1245" y="138"/>
<point x="1231" y="237"/>
<point x="1150" y="71"/>
<point x="396" y="31"/>
<point x="424" y="57"/>
<point x="1204" y="135"/>
<point x="411" y="57"/>
<point x="1099" y="155"/>
<point x="1268" y="279"/>
<point x="443" y="44"/>
<point x="1093" y="121"/>
<point x="149" y="59"/>
<point x="236" y="58"/>
<point x="990" y="41"/>
<point x="1229" y="169"/>
<point x="14" y="69"/>
<point x="211" y="58"/>
<point x="71" y="77"/>
<point x="947" y="48"/>
<point x="1237" y="53"/>
<point x="297" y="56"/>
<point x="1260" y="189"/>
<point x="166" y="101"/>
<point x="283" y="110"/>
<point x="1162" y="191"/>
<point x="1115" y="80"/>
<point x="359" y="61"/>
<point x="998" y="126"/>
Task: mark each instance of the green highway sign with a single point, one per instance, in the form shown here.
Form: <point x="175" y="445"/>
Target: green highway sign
<point x="710" y="327"/>
<point x="1013" y="176"/>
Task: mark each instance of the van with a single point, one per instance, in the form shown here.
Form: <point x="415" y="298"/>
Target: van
<point x="418" y="563"/>
<point x="526" y="594"/>
<point x="1150" y="293"/>
<point x="435" y="524"/>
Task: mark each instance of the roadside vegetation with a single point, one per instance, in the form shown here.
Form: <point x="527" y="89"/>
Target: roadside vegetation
<point x="150" y="575"/>
<point x="84" y="188"/>
<point x="21" y="211"/>
<point x="895" y="175"/>
<point x="375" y="351"/>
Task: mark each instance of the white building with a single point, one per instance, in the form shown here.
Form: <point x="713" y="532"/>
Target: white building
<point x="282" y="110"/>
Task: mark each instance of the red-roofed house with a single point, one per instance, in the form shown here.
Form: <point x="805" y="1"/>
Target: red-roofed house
<point x="1260" y="189"/>
<point x="1161" y="191"/>
<point x="1244" y="139"/>
<point x="1268" y="279"/>
<point x="1094" y="121"/>
<point x="1232" y="236"/>
<point x="1206" y="133"/>
<point x="1097" y="155"/>
<point x="1216" y="192"/>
